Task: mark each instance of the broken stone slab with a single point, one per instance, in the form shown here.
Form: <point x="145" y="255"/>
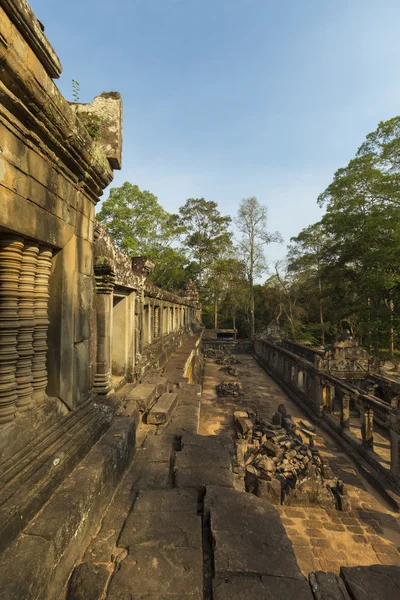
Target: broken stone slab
<point x="377" y="582"/>
<point x="88" y="581"/>
<point x="245" y="425"/>
<point x="172" y="529"/>
<point x="270" y="490"/>
<point x="162" y="409"/>
<point x="157" y="572"/>
<point x="243" y="414"/>
<point x="144" y="394"/>
<point x="327" y="586"/>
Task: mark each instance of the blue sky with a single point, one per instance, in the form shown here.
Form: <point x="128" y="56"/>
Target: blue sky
<point x="225" y="99"/>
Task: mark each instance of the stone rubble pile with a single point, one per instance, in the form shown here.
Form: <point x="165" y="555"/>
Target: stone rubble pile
<point x="229" y="388"/>
<point x="221" y="357"/>
<point x="279" y="465"/>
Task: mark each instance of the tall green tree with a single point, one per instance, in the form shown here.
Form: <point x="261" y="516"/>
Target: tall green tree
<point x="306" y="256"/>
<point x="252" y="221"/>
<point x="205" y="233"/>
<point x="140" y="226"/>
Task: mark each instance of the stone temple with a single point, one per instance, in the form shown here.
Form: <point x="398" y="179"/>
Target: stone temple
<point x="120" y="474"/>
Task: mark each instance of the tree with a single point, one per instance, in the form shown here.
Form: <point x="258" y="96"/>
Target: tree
<point x="306" y="256"/>
<point x="251" y="222"/>
<point x="205" y="232"/>
<point x="140" y="226"/>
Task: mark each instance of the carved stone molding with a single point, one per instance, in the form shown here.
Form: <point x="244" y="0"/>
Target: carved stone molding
<point x="104" y="278"/>
<point x="39" y="370"/>
<point x="10" y="266"/>
<point x="26" y="316"/>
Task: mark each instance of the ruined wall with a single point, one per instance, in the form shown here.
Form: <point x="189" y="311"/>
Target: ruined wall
<point x="143" y="325"/>
<point x="51" y="176"/>
<point x="78" y="318"/>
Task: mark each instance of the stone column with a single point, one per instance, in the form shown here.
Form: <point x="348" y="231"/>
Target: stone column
<point x="345" y="411"/>
<point x="39" y="368"/>
<point x="26" y="314"/>
<point x="105" y="278"/>
<point x="156" y="330"/>
<point x="367" y="426"/>
<point x="10" y="266"/>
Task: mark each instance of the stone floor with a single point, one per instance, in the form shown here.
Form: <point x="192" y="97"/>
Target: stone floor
<point x="322" y="539"/>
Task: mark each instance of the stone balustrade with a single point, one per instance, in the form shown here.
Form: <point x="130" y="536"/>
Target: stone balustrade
<point x="342" y="405"/>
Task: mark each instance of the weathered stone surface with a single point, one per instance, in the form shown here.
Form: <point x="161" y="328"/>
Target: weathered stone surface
<point x="157" y="571"/>
<point x="378" y="582"/>
<point x="180" y="500"/>
<point x="328" y="586"/>
<point x="88" y="582"/>
<point x="264" y="588"/>
<point x="172" y="529"/>
<point x="248" y="536"/>
<point x="144" y="394"/>
<point x="162" y="409"/>
<point x="200" y="477"/>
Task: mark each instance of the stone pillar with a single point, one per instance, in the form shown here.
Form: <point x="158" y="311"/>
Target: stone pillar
<point x="345" y="411"/>
<point x="300" y="380"/>
<point x="156" y="330"/>
<point x="39" y="367"/>
<point x="26" y="314"/>
<point x="104" y="276"/>
<point x="367" y="426"/>
<point x="10" y="266"/>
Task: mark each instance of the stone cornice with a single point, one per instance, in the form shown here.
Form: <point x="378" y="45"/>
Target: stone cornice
<point x="24" y="19"/>
<point x="28" y="93"/>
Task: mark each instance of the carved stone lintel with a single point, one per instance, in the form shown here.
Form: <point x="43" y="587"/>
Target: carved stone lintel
<point x="39" y="369"/>
<point x="26" y="314"/>
<point x="10" y="267"/>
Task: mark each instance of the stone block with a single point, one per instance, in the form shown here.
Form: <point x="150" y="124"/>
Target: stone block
<point x="180" y="500"/>
<point x="161" y="411"/>
<point x="88" y="582"/>
<point x="145" y="393"/>
<point x="327" y="586"/>
<point x="107" y="110"/>
<point x="171" y="529"/>
<point x="201" y="477"/>
<point x="377" y="582"/>
<point x="157" y="572"/>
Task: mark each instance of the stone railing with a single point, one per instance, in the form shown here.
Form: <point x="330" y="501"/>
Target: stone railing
<point x="344" y="407"/>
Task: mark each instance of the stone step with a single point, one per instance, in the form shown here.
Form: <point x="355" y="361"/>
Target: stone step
<point x="164" y="538"/>
<point x="30" y="481"/>
<point x="186" y="415"/>
<point x="204" y="461"/>
<point x="253" y="556"/>
<point x="49" y="546"/>
<point x="162" y="409"/>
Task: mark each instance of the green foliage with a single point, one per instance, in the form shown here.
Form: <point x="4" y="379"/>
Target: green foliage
<point x="92" y="123"/>
<point x="205" y="232"/>
<point x="141" y="227"/>
<point x="350" y="261"/>
<point x="75" y="90"/>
